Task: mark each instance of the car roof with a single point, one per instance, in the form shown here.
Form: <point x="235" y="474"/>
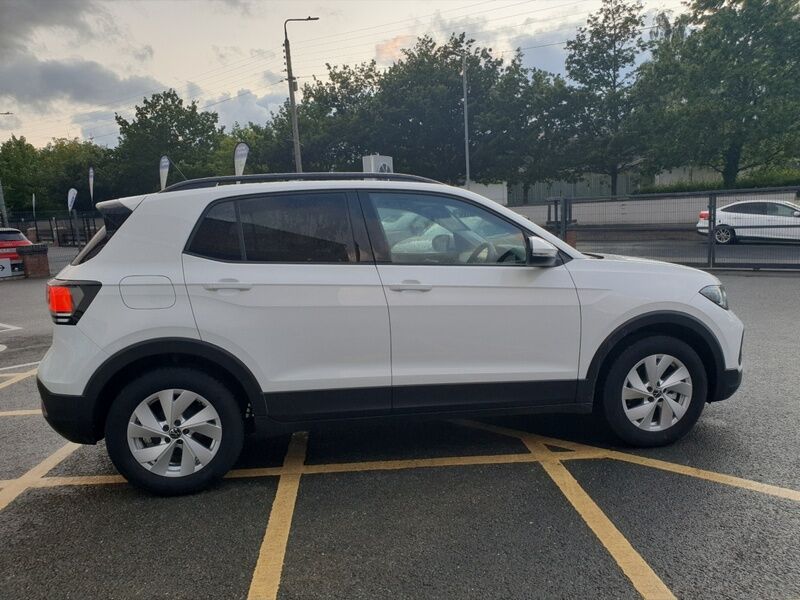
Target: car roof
<point x="9" y="230"/>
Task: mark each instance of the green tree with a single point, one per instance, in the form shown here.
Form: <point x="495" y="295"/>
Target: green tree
<point x="63" y="164"/>
<point x="601" y="61"/>
<point x="19" y="167"/>
<point x="418" y="109"/>
<point x="522" y="137"/>
<point x="164" y="125"/>
<point x="723" y="87"/>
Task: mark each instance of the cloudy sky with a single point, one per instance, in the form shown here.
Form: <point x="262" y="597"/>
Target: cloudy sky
<point x="66" y="66"/>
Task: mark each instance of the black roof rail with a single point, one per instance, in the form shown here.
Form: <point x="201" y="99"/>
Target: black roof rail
<point x="204" y="182"/>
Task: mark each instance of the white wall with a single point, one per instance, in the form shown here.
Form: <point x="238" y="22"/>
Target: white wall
<point x="494" y="191"/>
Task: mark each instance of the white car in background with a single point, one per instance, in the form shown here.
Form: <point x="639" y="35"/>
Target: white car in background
<point x="762" y="219"/>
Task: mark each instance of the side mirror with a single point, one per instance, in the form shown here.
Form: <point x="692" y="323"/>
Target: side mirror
<point x="797" y="213"/>
<point x="541" y="253"/>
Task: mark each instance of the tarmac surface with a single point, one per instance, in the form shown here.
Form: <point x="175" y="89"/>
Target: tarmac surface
<point x="518" y="507"/>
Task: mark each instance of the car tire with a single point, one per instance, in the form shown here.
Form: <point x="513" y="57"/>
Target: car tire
<point x="724" y="235"/>
<point x="212" y="430"/>
<point x="637" y="369"/>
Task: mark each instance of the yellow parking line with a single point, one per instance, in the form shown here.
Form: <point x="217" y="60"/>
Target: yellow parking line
<point x="17" y="486"/>
<point x="267" y="574"/>
<point x="644" y="579"/>
<point x="20" y="413"/>
<point x="45" y="482"/>
<point x="15" y="378"/>
<point x="747" y="484"/>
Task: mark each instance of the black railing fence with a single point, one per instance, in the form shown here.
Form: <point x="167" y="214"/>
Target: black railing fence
<point x="57" y="228"/>
<point x="754" y="229"/>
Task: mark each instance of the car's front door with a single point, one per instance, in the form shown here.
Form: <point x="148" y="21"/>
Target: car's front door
<point x="471" y="323"/>
<point x="286" y="282"/>
<point x="786" y="224"/>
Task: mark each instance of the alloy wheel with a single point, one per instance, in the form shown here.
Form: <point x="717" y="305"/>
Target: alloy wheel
<point x="657" y="392"/>
<point x="174" y="433"/>
<point x="723" y="235"/>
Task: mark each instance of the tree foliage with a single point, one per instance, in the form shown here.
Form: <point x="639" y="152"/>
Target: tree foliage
<point x="601" y="61"/>
<point x="723" y="87"/>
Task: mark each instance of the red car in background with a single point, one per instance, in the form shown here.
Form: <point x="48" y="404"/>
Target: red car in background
<point x="10" y="240"/>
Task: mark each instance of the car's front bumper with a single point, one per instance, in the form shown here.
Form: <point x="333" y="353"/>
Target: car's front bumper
<point x="728" y="383"/>
<point x="74" y="417"/>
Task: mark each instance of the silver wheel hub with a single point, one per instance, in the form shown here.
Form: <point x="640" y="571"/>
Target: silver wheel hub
<point x="657" y="392"/>
<point x="174" y="433"/>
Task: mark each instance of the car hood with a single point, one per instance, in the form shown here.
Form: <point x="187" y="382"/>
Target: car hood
<point x="646" y="267"/>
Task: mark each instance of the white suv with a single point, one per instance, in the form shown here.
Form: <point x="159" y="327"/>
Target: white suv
<point x="210" y="310"/>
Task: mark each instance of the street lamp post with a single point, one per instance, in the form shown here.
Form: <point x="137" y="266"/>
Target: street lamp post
<point x="298" y="161"/>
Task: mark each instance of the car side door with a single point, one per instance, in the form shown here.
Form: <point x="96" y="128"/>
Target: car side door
<point x="472" y="324"/>
<point x="784" y="220"/>
<point x="287" y="283"/>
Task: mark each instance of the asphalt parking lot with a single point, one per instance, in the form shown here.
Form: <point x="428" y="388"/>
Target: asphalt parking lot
<point x="518" y="507"/>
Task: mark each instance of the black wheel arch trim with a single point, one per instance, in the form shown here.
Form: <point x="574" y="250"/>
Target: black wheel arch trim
<point x="643" y="322"/>
<point x="179" y="347"/>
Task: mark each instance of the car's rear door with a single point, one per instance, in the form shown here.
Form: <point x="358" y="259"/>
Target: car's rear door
<point x="288" y="282"/>
<point x="472" y="325"/>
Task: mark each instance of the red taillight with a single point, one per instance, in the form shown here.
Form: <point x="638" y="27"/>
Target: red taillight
<point x="68" y="300"/>
<point x="704" y="215"/>
<point x="60" y="299"/>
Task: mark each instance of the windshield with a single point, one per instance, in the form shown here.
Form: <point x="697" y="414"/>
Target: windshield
<point x="11" y="236"/>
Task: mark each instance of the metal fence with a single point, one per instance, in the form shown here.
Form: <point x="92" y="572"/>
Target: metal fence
<point x="58" y="228"/>
<point x="752" y="229"/>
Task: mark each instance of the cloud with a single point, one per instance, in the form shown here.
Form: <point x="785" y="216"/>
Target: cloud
<point x="9" y="122"/>
<point x="244" y="107"/>
<point x="20" y="18"/>
<point x="391" y="50"/>
<point x="98" y="125"/>
<point x="193" y="90"/>
<point x="144" y="53"/>
<point x="37" y="83"/>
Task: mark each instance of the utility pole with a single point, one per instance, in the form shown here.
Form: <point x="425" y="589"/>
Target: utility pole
<point x="298" y="161"/>
<point x="466" y="113"/>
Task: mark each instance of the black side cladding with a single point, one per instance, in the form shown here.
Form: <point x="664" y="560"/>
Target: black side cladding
<point x="114" y="214"/>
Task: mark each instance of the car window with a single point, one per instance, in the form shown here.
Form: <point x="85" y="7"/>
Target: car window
<point x="301" y="227"/>
<point x="11" y="236"/>
<point x="432" y="229"/>
<point x="217" y="236"/>
<point x="747" y="208"/>
<point x="780" y="210"/>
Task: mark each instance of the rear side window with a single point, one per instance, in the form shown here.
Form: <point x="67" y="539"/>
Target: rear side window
<point x="309" y="228"/>
<point x="748" y="208"/>
<point x="281" y="228"/>
<point x="217" y="236"/>
<point x="11" y="236"/>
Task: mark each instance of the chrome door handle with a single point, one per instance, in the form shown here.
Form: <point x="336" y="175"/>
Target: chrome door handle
<point x="227" y="284"/>
<point x="410" y="285"/>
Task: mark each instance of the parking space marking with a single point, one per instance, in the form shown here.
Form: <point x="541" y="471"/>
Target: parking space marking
<point x="15" y="378"/>
<point x="16" y="486"/>
<point x="267" y="574"/>
<point x="747" y="484"/>
<point x="20" y="413"/>
<point x="30" y="364"/>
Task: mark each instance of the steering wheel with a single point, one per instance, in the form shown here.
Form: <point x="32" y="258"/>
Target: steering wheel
<point x="490" y="249"/>
<point x="508" y="254"/>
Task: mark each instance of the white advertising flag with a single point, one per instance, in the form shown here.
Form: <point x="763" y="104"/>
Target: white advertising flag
<point x="91" y="184"/>
<point x="71" y="194"/>
<point x="163" y="170"/>
<point x="240" y="157"/>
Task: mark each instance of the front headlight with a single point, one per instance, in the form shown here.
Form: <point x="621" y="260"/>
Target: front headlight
<point x="717" y="294"/>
